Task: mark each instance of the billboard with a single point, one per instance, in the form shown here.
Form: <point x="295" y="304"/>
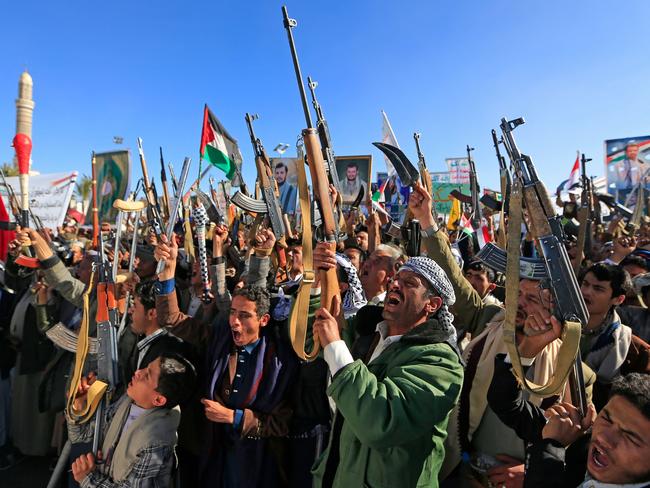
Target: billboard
<point x="442" y="194"/>
<point x="458" y="170"/>
<point x="627" y="162"/>
<point x="49" y="196"/>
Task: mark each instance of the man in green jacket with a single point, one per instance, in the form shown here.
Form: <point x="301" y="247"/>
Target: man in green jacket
<point x="393" y="408"/>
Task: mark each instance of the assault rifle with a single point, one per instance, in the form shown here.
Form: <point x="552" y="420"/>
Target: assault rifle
<point x="504" y="174"/>
<point x="326" y="148"/>
<point x="475" y="191"/>
<point x="320" y="185"/>
<point x="546" y="227"/>
<point x="107" y="326"/>
<point x="585" y="215"/>
<point x="270" y="202"/>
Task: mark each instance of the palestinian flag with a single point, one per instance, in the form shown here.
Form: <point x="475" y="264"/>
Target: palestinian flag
<point x="378" y="195"/>
<point x="217" y="146"/>
<point x="465" y="225"/>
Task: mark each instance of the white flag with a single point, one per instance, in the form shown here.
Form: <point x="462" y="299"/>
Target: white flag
<point x="388" y="137"/>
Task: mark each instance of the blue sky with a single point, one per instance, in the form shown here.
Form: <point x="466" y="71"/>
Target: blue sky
<point x="577" y="72"/>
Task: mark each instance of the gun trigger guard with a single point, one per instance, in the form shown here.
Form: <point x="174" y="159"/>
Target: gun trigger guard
<point x="308" y="276"/>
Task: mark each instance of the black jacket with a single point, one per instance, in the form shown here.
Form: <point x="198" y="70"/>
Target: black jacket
<point x="547" y="462"/>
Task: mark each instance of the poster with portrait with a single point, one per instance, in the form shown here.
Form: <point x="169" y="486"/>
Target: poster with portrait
<point x="627" y="163"/>
<point x="286" y="176"/>
<point x="354" y="174"/>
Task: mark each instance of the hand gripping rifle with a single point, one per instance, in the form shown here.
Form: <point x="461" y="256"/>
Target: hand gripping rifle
<point x="320" y="184"/>
<point x="270" y="203"/>
<point x="569" y="306"/>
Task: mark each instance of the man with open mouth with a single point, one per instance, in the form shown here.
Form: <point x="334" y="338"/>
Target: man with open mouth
<point x="616" y="453"/>
<point x="392" y="408"/>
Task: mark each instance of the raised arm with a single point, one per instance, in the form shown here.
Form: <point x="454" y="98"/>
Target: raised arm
<point x="187" y="328"/>
<point x="469" y="306"/>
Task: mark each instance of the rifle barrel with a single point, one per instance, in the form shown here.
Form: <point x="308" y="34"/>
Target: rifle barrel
<point x="288" y="25"/>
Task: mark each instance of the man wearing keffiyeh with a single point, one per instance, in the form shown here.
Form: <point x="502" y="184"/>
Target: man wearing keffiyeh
<point x="393" y="407"/>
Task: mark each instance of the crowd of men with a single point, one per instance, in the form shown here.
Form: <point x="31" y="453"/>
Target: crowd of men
<point x="413" y="386"/>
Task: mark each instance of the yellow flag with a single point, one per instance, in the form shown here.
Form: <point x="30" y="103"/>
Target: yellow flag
<point x="454" y="214"/>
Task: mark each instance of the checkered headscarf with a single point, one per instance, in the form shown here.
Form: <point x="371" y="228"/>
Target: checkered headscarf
<point x="434" y="274"/>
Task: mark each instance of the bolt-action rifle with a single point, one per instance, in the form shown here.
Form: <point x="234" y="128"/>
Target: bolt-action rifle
<point x="320" y="185"/>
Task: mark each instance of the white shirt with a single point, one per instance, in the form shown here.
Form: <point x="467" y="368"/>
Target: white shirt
<point x="134" y="413"/>
<point x="378" y="299"/>
<point x="337" y="355"/>
<point x="143" y="345"/>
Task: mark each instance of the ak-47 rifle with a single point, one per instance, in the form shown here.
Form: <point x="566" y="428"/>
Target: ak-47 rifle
<point x="326" y="147"/>
<point x="425" y="177"/>
<point x="506" y="183"/>
<point x="107" y="326"/>
<point x="320" y="185"/>
<point x="585" y="216"/>
<point x="504" y="174"/>
<point x="475" y="190"/>
<point x="154" y="216"/>
<point x="568" y="304"/>
<point x="270" y="202"/>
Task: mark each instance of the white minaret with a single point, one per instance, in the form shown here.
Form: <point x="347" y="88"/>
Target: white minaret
<point x="24" y="105"/>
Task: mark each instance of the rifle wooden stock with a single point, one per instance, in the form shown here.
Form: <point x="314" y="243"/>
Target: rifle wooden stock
<point x="105" y="301"/>
<point x="328" y="279"/>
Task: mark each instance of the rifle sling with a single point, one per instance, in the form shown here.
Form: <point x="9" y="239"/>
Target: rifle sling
<point x="299" y="318"/>
<point x="571" y="331"/>
<point x="98" y="388"/>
